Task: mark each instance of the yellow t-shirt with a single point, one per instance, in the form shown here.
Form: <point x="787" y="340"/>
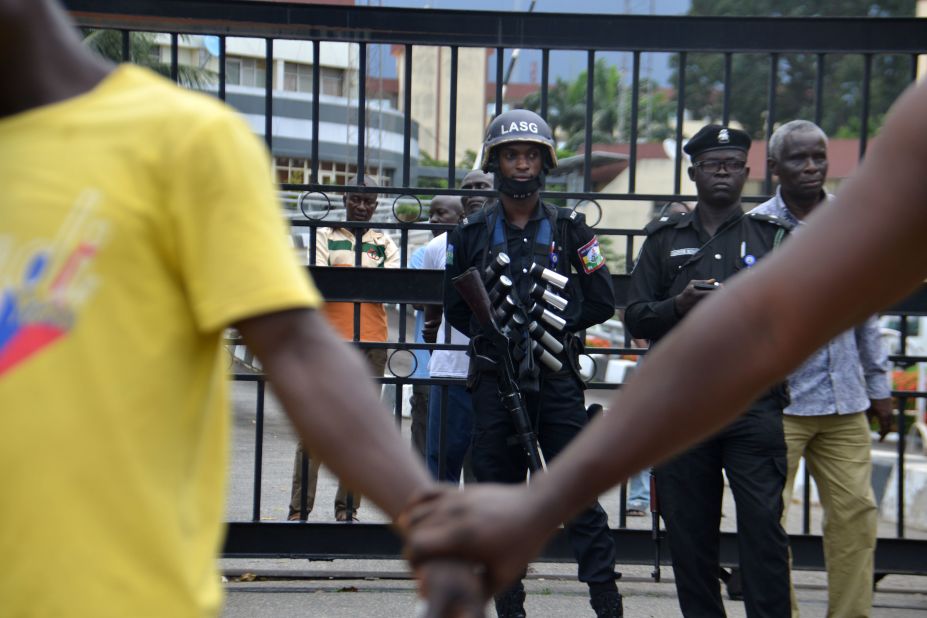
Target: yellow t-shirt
<point x="138" y="220"/>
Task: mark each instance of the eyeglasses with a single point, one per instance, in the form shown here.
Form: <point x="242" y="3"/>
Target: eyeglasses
<point x="712" y="166"/>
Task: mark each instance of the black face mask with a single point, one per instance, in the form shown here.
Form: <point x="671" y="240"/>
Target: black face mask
<point x="519" y="189"/>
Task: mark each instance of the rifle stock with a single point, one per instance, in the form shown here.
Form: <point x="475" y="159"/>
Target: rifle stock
<point x="471" y="289"/>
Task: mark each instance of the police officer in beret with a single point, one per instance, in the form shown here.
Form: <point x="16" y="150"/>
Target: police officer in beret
<point x="685" y="258"/>
<point x="519" y="151"/>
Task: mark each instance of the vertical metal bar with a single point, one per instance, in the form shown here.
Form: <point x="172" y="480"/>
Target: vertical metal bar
<point x="397" y="403"/>
<point x="258" y="451"/>
<point x="313" y="244"/>
<point x="635" y="104"/>
<point x="407" y="124"/>
<point x="590" y="96"/>
<point x="680" y="117"/>
<point x="442" y="435"/>
<point x="304" y="485"/>
<point x="316" y="90"/>
<point x="500" y="58"/>
<point x="864" y="113"/>
<point x="545" y="80"/>
<point x="403" y="261"/>
<point x="819" y="90"/>
<point x="361" y="109"/>
<point x="628" y="255"/>
<point x="358" y="252"/>
<point x="222" y="68"/>
<point x="771" y="113"/>
<point x="452" y="123"/>
<point x="726" y="105"/>
<point x="913" y="75"/>
<point x="623" y="511"/>
<point x="902" y="404"/>
<point x="174" y="63"/>
<point x="269" y="92"/>
<point x="126" y="46"/>
<point x="806" y="502"/>
<point x="900" y="526"/>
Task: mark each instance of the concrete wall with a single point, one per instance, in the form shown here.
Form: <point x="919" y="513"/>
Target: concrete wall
<point x="431" y="74"/>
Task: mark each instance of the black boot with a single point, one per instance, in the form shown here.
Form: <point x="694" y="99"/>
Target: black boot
<point x="607" y="604"/>
<point x="511" y="603"/>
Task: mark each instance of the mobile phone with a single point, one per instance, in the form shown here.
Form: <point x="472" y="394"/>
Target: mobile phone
<point x="704" y="285"/>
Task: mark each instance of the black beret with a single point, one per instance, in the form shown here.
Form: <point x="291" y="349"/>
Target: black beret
<point x="716" y="137"/>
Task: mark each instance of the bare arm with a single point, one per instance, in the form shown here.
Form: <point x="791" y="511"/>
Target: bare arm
<point x="320" y="381"/>
<point x="863" y="253"/>
<point x="432" y="322"/>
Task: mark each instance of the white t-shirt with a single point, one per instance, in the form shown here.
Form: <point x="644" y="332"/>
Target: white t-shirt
<point x="445" y="363"/>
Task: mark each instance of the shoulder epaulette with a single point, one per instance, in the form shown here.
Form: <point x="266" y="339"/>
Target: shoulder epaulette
<point x="569" y="213"/>
<point x="666" y="221"/>
<point x="773" y="219"/>
<point x="478" y="217"/>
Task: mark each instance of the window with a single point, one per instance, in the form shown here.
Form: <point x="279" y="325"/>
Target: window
<point x="299" y="171"/>
<point x="245" y="72"/>
<point x="332" y="81"/>
<point x="297" y="77"/>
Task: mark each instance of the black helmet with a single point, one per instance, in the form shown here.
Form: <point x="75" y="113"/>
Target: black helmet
<point x="518" y="125"/>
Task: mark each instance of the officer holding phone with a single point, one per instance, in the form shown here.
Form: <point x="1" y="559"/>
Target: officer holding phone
<point x="685" y="258"/>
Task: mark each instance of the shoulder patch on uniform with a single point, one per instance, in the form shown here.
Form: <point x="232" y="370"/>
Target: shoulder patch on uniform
<point x="449" y="260"/>
<point x="591" y="256"/>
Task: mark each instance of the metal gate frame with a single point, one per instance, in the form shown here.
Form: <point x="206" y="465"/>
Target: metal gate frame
<point x="366" y="26"/>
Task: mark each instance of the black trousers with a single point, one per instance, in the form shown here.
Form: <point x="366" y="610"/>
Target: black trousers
<point x="752" y="453"/>
<point x="557" y="414"/>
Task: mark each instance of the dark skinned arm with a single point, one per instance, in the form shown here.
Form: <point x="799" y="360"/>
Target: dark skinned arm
<point x="316" y="377"/>
<point x="753" y="334"/>
<point x="432" y="322"/>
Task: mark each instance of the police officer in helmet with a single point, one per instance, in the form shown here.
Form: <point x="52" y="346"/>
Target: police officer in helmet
<point x="556" y="284"/>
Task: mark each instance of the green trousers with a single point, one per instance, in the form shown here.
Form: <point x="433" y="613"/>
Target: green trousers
<point x="837" y="451"/>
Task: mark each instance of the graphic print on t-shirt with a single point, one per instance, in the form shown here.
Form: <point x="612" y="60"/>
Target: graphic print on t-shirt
<point x="43" y="282"/>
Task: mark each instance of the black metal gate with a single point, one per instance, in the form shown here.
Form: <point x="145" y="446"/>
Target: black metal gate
<point x="777" y="40"/>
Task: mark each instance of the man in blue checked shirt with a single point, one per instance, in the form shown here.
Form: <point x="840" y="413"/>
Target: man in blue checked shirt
<point x="832" y="392"/>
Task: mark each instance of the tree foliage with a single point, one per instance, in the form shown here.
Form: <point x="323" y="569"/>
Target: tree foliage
<point x="611" y="110"/>
<point x="145" y="51"/>
<point x="795" y="89"/>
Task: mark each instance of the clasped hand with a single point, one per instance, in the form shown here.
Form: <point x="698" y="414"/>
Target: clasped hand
<point x="466" y="546"/>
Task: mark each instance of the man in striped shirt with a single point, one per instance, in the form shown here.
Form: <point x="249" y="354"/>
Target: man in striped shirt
<point x="336" y="246"/>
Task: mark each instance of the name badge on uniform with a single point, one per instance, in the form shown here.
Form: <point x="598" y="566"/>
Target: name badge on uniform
<point x="591" y="256"/>
<point x="681" y="252"/>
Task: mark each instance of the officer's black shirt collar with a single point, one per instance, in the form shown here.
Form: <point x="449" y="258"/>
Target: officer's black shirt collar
<point x="696" y="222"/>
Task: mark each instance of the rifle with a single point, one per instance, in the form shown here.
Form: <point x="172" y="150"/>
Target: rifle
<point x="471" y="289"/>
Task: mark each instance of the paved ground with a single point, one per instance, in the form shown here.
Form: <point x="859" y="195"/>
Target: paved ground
<point x="301" y="588"/>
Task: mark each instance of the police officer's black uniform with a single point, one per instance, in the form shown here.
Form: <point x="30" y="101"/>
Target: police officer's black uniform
<point x="556" y="403"/>
<point x="751" y="449"/>
<point x="557" y="239"/>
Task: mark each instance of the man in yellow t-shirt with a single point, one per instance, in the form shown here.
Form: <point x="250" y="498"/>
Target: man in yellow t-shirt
<point x="337" y="247"/>
<point x="139" y="221"/>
